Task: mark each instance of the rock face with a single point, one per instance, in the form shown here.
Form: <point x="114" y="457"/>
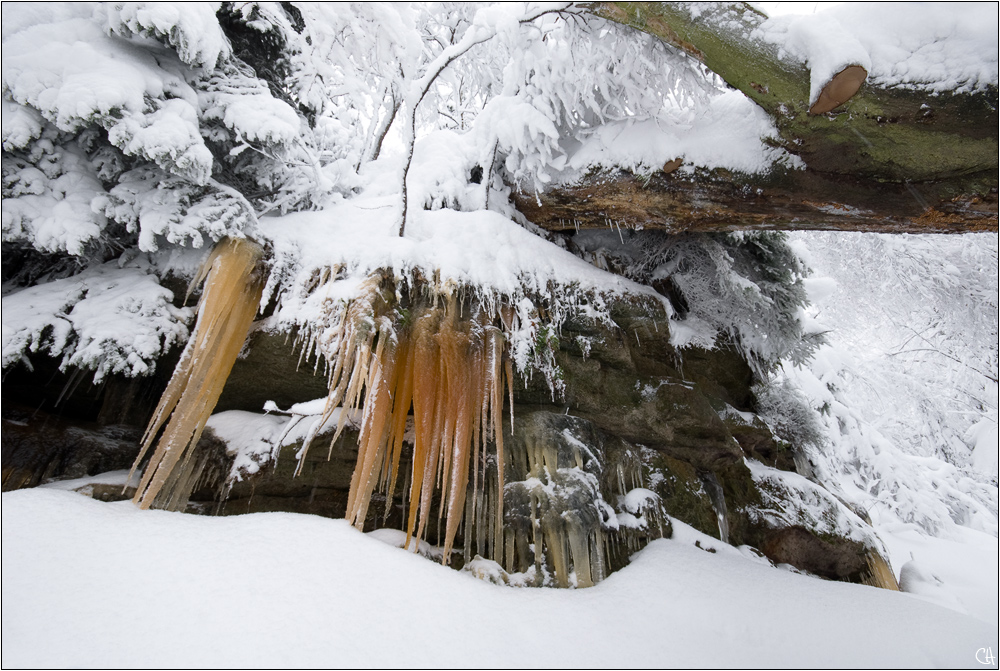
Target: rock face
<point x="38" y="447"/>
<point x="644" y="432"/>
<point x="637" y="415"/>
<point x="631" y="383"/>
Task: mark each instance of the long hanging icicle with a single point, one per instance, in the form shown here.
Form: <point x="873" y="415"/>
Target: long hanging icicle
<point x="234" y="282"/>
<point x="457" y="390"/>
<point x="447" y="369"/>
<point x="347" y="345"/>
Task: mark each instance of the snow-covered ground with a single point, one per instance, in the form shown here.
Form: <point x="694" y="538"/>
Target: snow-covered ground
<point x="103" y="584"/>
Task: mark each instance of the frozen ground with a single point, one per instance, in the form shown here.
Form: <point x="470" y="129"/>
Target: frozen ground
<point x="102" y="584"/>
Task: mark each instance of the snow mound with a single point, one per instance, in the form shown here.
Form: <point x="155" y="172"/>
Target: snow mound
<point x="215" y="584"/>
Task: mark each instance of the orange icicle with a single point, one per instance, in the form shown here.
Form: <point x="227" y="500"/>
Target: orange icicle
<point x="234" y="283"/>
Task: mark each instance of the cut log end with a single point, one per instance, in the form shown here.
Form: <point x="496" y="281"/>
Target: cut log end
<point x="671" y="166"/>
<point x="840" y="89"/>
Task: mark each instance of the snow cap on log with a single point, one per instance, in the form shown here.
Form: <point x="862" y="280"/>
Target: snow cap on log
<point x="837" y="60"/>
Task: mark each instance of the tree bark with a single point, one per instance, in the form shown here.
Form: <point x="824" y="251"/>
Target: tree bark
<point x="886" y="134"/>
<point x="891" y="160"/>
<point x="717" y="200"/>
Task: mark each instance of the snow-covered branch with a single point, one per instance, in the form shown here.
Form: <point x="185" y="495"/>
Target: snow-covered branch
<point x="485" y="25"/>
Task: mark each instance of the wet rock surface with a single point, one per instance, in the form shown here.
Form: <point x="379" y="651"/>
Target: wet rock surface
<point x="631" y="382"/>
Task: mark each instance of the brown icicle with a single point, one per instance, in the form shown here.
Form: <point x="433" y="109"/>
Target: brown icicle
<point x="450" y="370"/>
<point x="375" y="428"/>
<point x="424" y="393"/>
<point x="402" y="398"/>
<point x="349" y="347"/>
<point x="464" y="376"/>
<point x="234" y="282"/>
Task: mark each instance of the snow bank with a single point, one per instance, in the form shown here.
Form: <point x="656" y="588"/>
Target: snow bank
<point x="93" y="584"/>
<point x="958" y="571"/>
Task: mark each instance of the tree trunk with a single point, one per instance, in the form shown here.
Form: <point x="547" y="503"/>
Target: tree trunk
<point x="891" y="160"/>
<point x="718" y="200"/>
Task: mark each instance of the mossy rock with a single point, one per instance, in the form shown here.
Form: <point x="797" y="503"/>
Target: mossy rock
<point x="681" y="491"/>
<point x="758" y="442"/>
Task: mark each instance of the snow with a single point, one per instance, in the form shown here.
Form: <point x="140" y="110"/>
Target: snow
<point x="952" y="571"/>
<point x="482" y="250"/>
<point x="109" y="318"/>
<point x="250" y="437"/>
<point x="942" y="46"/>
<point x="102" y="65"/>
<point x="824" y="44"/>
<point x="130" y="588"/>
<point x="191" y="28"/>
<point x="49" y="206"/>
<point x="254" y="439"/>
<point x="160" y="208"/>
<point x="74" y="74"/>
<point x="634" y="506"/>
<point x="482" y="253"/>
<point x="245" y="105"/>
<point x="908" y="385"/>
<point x="728" y="132"/>
<point x="21" y="125"/>
<point x="984" y="439"/>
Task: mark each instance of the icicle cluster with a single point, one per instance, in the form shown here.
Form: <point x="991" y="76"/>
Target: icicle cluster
<point x="445" y="369"/>
<point x="449" y="370"/>
<point x="558" y="528"/>
<point x="565" y="510"/>
<point x="233" y="286"/>
<point x="641" y="517"/>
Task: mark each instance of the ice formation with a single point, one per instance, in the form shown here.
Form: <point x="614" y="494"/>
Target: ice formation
<point x="448" y="368"/>
<point x="233" y="286"/>
<point x="559" y="528"/>
<point x="428" y="353"/>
